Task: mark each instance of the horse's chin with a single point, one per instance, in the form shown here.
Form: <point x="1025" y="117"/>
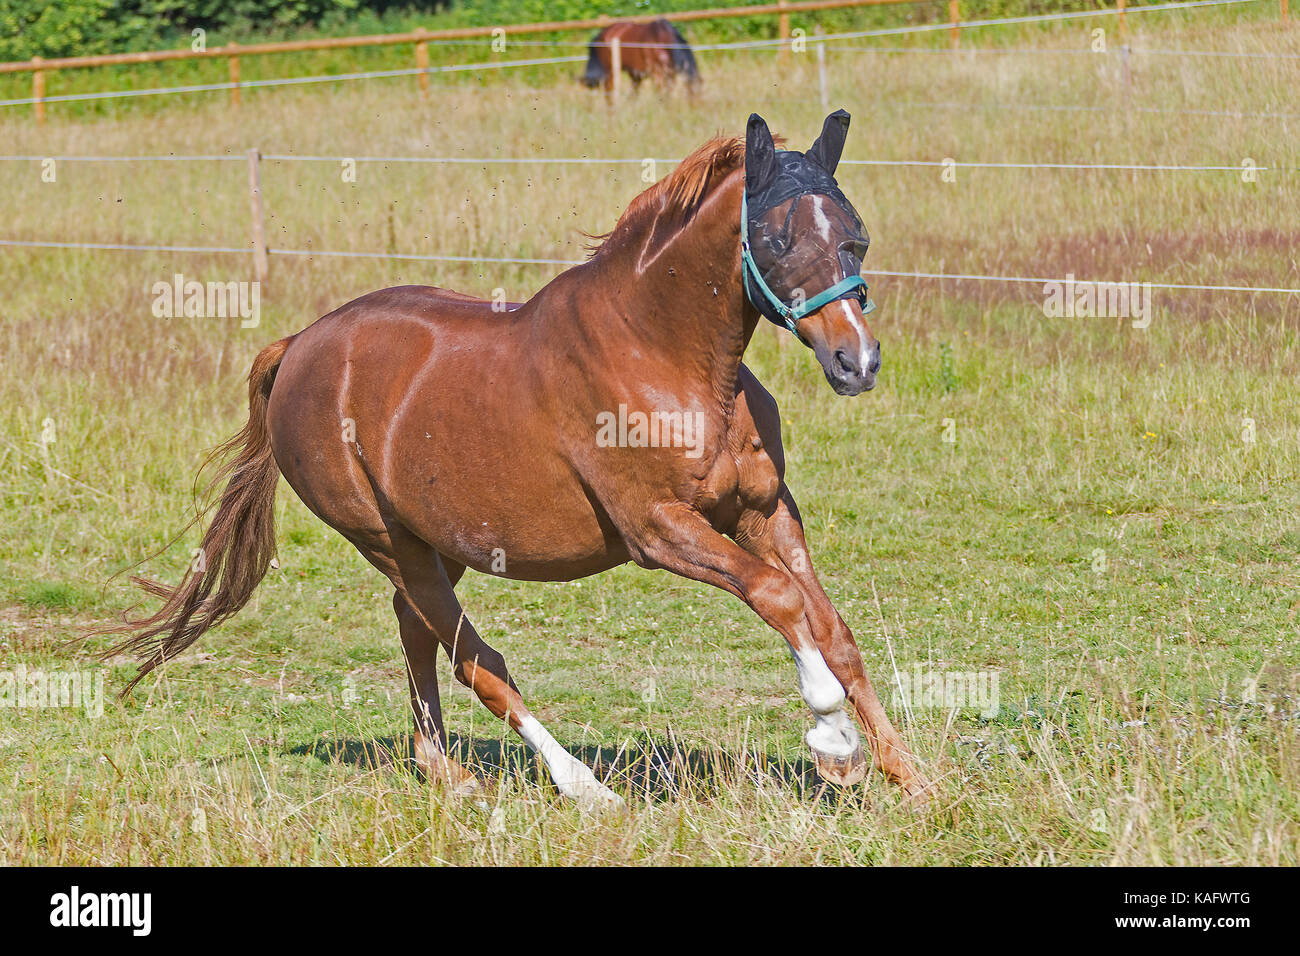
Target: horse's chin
<point x="849" y="385"/>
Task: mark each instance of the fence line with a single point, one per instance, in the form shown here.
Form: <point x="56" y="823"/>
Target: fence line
<point x="1069" y="108"/>
<point x="289" y="81"/>
<point x="117" y="246"/>
<point x="507" y="260"/>
<point x="39" y="99"/>
<point x="961" y="164"/>
<point x="813" y="39"/>
<point x="1220" y="53"/>
<point x="970" y="24"/>
<point x="621" y="161"/>
<point x="125" y="159"/>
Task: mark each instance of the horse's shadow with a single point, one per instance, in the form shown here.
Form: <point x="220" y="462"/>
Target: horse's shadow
<point x="650" y="769"/>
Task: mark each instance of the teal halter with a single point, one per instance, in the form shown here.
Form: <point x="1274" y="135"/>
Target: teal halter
<point x="791" y="316"/>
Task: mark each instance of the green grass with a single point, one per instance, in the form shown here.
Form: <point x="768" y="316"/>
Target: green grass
<point x="1148" y="698"/>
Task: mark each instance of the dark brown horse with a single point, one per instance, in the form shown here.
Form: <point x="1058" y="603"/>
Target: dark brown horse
<point x="609" y="418"/>
<point x="655" y="50"/>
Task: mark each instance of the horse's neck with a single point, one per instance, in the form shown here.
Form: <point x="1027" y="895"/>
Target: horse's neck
<point x="694" y="284"/>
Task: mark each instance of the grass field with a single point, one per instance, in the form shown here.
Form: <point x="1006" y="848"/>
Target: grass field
<point x="1113" y="530"/>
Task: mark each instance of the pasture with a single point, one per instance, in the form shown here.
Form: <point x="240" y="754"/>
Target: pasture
<point x="1104" y="516"/>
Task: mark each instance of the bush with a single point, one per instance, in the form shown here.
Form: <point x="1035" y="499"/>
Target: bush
<point x="82" y="27"/>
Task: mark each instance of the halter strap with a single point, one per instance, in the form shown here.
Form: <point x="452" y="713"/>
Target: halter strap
<point x="791" y="316"/>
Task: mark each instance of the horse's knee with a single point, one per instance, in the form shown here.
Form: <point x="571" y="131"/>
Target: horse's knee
<point x="842" y="656"/>
<point x="775" y="595"/>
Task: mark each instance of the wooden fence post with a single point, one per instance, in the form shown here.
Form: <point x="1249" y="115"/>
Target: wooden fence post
<point x="260" y="262"/>
<point x="38" y="92"/>
<point x="1123" y="24"/>
<point x="234" y="75"/>
<point x="954" y="17"/>
<point x="1284" y="11"/>
<point x="783" y="27"/>
<point x="615" y="67"/>
<point x="821" y="68"/>
<point x="422" y="61"/>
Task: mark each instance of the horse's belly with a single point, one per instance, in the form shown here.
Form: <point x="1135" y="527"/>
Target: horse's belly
<point x="521" y="519"/>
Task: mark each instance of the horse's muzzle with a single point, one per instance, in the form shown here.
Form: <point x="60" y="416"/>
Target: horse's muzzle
<point x="848" y="375"/>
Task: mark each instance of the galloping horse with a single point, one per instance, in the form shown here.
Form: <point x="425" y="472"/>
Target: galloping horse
<point x="437" y="433"/>
<point x="656" y="49"/>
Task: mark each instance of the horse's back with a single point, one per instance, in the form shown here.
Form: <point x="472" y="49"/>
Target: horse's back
<point x="379" y="347"/>
<point x="419" y="303"/>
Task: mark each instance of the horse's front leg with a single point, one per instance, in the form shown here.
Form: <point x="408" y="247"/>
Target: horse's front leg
<point x="681" y="540"/>
<point x="778" y="539"/>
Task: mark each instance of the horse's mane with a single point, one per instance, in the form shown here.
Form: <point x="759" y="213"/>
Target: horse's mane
<point x="679" y="193"/>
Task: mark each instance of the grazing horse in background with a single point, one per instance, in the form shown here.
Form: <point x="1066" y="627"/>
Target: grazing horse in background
<point x="656" y="49"/>
<point x="437" y="434"/>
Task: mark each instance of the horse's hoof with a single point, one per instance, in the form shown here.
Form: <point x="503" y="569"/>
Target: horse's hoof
<point x="842" y="771"/>
<point x="451" y="777"/>
<point x="442" y="771"/>
<point x="919" y="791"/>
<point x="599" y="799"/>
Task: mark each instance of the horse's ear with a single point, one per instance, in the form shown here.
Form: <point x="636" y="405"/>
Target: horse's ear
<point x="760" y="154"/>
<point x="826" y="150"/>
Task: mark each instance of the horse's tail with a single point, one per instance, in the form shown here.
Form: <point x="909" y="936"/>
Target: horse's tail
<point x="237" y="548"/>
<point x="683" y="58"/>
<point x="595" y="73"/>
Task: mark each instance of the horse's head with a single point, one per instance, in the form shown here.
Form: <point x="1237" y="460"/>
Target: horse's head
<point x="803" y="249"/>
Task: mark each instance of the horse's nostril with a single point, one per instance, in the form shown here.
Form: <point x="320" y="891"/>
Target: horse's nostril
<point x="873" y="364"/>
<point x="844" y="363"/>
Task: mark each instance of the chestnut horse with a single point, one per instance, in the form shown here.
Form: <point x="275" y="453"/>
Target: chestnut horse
<point x="437" y="433"/>
<point x="656" y="50"/>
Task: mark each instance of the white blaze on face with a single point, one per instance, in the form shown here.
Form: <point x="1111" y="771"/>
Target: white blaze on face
<point x="851" y="316"/>
<point x="825" y="232"/>
<point x="820" y="218"/>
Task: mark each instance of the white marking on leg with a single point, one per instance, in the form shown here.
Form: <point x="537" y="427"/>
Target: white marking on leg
<point x="572" y="777"/>
<point x="834" y="733"/>
<point x="821" y="691"/>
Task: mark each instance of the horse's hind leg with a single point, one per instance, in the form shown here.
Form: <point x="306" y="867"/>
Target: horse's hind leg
<point x="428" y="588"/>
<point x="420" y="646"/>
<point x="394" y="551"/>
